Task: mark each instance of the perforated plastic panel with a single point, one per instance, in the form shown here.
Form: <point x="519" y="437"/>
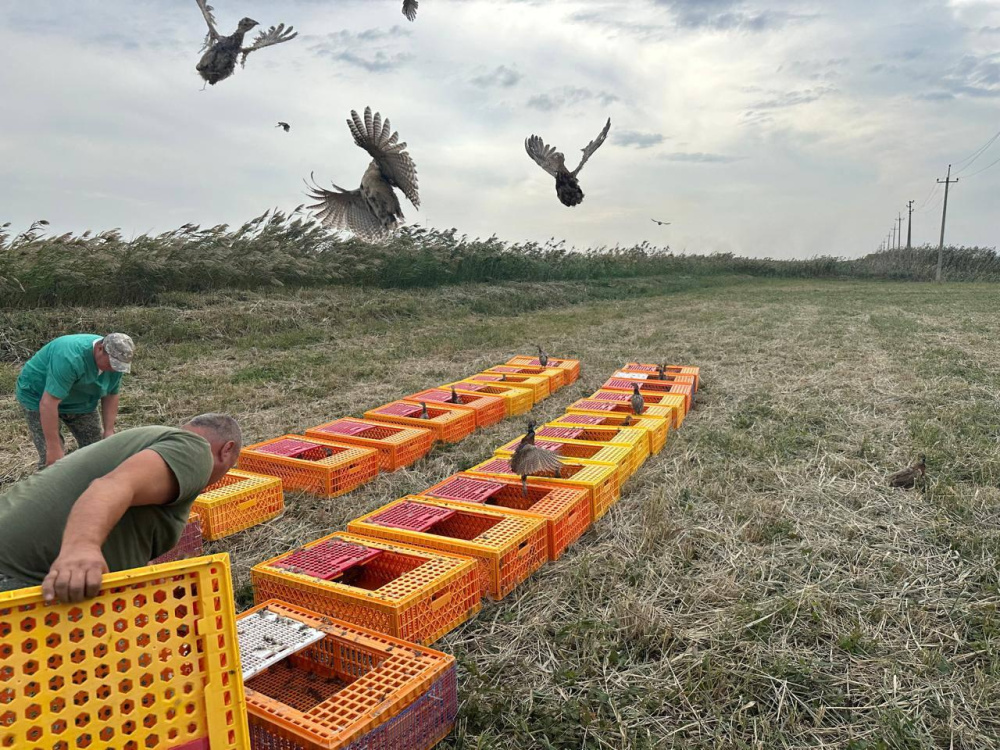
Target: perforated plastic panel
<point x="567" y="433"/>
<point x="295" y="449"/>
<point x="346" y="427"/>
<point x="266" y="638"/>
<point x="400" y="409"/>
<point x="328" y="560"/>
<point x="412" y="516"/>
<point x="465" y="489"/>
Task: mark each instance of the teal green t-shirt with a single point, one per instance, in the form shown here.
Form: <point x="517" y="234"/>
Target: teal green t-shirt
<point x="34" y="511"/>
<point x="65" y="367"/>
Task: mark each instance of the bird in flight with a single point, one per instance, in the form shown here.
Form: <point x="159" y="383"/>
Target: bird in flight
<point x="661" y="223"/>
<point x="372" y="211"/>
<point x="554" y="162"/>
<point x="219" y="60"/>
<point x="410" y="9"/>
<point x="530" y="460"/>
<point x="284" y="125"/>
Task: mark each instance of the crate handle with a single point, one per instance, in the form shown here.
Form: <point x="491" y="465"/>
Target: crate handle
<point x="248" y="503"/>
<point x="440" y="599"/>
<point x="523" y="548"/>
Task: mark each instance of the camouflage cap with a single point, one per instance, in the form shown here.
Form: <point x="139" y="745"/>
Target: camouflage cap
<point x="120" y="349"/>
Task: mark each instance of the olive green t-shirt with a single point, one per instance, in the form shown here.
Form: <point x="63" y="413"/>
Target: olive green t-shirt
<point x="33" y="512"/>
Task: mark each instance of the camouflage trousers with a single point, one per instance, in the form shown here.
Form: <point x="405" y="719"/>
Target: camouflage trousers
<point x="86" y="428"/>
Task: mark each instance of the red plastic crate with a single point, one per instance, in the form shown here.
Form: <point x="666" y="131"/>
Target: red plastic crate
<point x="322" y="467"/>
<point x="189" y="545"/>
<point x="652" y="386"/>
<point x="411" y="516"/>
<point x="449" y="423"/>
<point x="488" y="409"/>
<point x="327" y="560"/>
<point x="465" y="489"/>
<point x="397" y="445"/>
<point x="644" y="367"/>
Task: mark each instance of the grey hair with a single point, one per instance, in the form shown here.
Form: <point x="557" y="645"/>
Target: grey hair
<point x="223" y="427"/>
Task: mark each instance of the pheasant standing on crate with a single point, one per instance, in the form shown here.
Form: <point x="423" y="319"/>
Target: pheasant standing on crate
<point x="661" y="372"/>
<point x="221" y="52"/>
<point x="637" y="401"/>
<point x="454" y="398"/>
<point x="424" y="414"/>
<point x="372" y="211"/>
<point x="530" y="460"/>
<point x="554" y="162"/>
<point x="907" y="478"/>
<point x="543" y="357"/>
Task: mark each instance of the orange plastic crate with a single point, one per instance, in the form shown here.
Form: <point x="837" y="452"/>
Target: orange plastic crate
<point x="397" y="446"/>
<point x="656" y="428"/>
<point x="592" y="405"/>
<point x="508" y="548"/>
<point x="555" y="376"/>
<point x="601" y="480"/>
<point x="449" y="423"/>
<point x="571" y="366"/>
<point x="239" y="500"/>
<point x="516" y="400"/>
<point x="649" y="387"/>
<point x="613" y="455"/>
<point x="488" y="409"/>
<point x="675" y="401"/>
<point x="327" y="468"/>
<point x="539" y="386"/>
<point x="635" y="438"/>
<point x="406" y="592"/>
<point x="352" y="690"/>
<point x="642" y="367"/>
<point x="150" y="662"/>
<point x="565" y="509"/>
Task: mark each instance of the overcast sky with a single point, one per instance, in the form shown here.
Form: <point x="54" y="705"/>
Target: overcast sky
<point x="783" y="129"/>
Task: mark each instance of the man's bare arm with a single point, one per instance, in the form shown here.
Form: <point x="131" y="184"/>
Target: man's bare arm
<point x="143" y="479"/>
<point x="48" y="415"/>
<point x="109" y="413"/>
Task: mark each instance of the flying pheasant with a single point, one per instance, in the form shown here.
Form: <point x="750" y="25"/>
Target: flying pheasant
<point x="637" y="401"/>
<point x="554" y="162"/>
<point x="660" y="223"/>
<point x="284" y="125"/>
<point x="907" y="478"/>
<point x="219" y="60"/>
<point x="372" y="211"/>
<point x="530" y="460"/>
<point x="410" y="9"/>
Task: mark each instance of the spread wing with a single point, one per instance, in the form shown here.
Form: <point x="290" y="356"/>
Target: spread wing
<point x="206" y="11"/>
<point x="274" y="35"/>
<point x="345" y="209"/>
<point x="591" y="147"/>
<point x="410" y="9"/>
<point x="536" y="461"/>
<point x="545" y="156"/>
<point x="376" y="137"/>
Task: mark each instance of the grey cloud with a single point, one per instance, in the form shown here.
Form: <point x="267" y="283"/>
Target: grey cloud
<point x="334" y="41"/>
<point x="725" y="15"/>
<point x="697" y="157"/>
<point x="935" y="96"/>
<point x="380" y="62"/>
<point x="637" y="139"/>
<point x="568" y="96"/>
<point x="793" y="98"/>
<point x="363" y="49"/>
<point x="976" y="76"/>
<point x="990" y="30"/>
<point x="501" y="76"/>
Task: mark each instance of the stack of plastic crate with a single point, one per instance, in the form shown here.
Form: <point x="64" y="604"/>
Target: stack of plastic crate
<point x="152" y="661"/>
<point x="239" y="500"/>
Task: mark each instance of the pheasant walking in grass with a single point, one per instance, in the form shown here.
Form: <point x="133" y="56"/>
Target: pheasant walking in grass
<point x="543" y="357"/>
<point x="907" y="478"/>
<point x="372" y="211"/>
<point x="221" y="52"/>
<point x="637" y="401"/>
<point x="554" y="162"/>
<point x="530" y="460"/>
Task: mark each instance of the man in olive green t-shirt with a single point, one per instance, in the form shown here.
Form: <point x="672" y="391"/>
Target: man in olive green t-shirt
<point x="64" y="382"/>
<point x="111" y="506"/>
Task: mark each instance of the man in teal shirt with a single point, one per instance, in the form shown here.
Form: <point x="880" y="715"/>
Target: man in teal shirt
<point x="64" y="381"/>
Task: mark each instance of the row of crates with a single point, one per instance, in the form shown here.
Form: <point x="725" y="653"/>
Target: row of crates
<point x="338" y="456"/>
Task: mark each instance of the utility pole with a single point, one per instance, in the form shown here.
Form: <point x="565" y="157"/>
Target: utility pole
<point x="909" y="227"/>
<point x="944" y="215"/>
<point x="899" y="235"/>
<point x="892" y="242"/>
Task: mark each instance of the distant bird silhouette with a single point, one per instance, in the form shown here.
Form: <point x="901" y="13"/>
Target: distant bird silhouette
<point x="661" y="223"/>
<point x="637" y="401"/>
<point x="372" y="211"/>
<point x="543" y="357"/>
<point x="410" y="9"/>
<point x="284" y="125"/>
<point x="907" y="478"/>
<point x="219" y="60"/>
<point x="454" y="398"/>
<point x="503" y="378"/>
<point x="424" y="414"/>
<point x="628" y="421"/>
<point x="554" y="162"/>
<point x="661" y="372"/>
<point x="530" y="460"/>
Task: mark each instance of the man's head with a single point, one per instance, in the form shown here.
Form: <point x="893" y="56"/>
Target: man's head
<point x="114" y="353"/>
<point x="223" y="434"/>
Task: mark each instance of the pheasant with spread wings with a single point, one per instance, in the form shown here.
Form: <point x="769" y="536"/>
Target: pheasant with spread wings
<point x="410" y="9"/>
<point x="554" y="162"/>
<point x="372" y="211"/>
<point x="221" y="52"/>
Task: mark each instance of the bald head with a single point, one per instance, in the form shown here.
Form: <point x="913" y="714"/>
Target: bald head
<point x="224" y="435"/>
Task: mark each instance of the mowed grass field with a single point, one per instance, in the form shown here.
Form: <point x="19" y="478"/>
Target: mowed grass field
<point x="757" y="586"/>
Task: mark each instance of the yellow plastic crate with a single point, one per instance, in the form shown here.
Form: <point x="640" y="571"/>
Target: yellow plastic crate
<point x="674" y="401"/>
<point x="539" y="386"/>
<point x="641" y="367"/>
<point x="657" y="429"/>
<point x="649" y="388"/>
<point x="636" y="439"/>
<point x="508" y="548"/>
<point x="569" y="450"/>
<point x="239" y="500"/>
<point x="571" y="366"/>
<point x="602" y="480"/>
<point x="151" y="662"/>
<point x="407" y="592"/>
<point x="516" y="400"/>
<point x="555" y="376"/>
<point x="595" y="405"/>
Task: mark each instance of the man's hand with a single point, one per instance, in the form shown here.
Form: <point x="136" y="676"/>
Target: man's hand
<point x="53" y="454"/>
<point x="75" y="575"/>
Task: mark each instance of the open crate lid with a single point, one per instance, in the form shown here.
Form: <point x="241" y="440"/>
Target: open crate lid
<point x="467" y="489"/>
<point x="567" y="433"/>
<point x="267" y="638"/>
<point x="399" y="409"/>
<point x="585" y="419"/>
<point x="291" y="447"/>
<point x="328" y="559"/>
<point x="412" y="516"/>
<point x="345" y="427"/>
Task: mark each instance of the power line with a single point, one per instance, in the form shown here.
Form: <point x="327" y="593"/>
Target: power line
<point x="980" y="171"/>
<point x="978" y="152"/>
